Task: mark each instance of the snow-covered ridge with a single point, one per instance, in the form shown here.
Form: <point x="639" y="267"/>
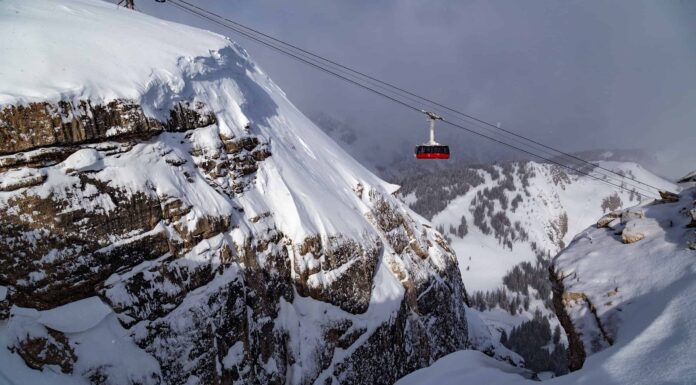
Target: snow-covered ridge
<point x="250" y="230"/>
<point x="630" y="298"/>
<point x="188" y="64"/>
<point x="38" y="66"/>
<point x="493" y="213"/>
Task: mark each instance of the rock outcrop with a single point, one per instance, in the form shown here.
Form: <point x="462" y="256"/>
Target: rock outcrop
<point x="690" y="177"/>
<point x="207" y="302"/>
<point x="607" y="219"/>
<point x="51" y="349"/>
<point x="576" y="348"/>
<point x="668" y="196"/>
<point x="65" y="123"/>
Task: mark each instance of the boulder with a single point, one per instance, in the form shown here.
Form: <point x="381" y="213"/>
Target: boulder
<point x="690" y="177"/>
<point x="608" y="218"/>
<point x="669" y="197"/>
<point x="631" y="236"/>
<point x="632" y="213"/>
<point x="692" y="214"/>
<point x="637" y="229"/>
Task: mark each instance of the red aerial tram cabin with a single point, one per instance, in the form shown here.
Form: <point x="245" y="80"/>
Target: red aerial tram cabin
<point x="428" y="151"/>
<point x="432" y="149"/>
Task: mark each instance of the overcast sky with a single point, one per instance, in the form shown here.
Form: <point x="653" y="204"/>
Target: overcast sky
<point x="577" y="75"/>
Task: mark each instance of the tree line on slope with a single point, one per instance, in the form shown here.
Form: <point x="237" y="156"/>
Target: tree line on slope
<point x="517" y="282"/>
<point x="541" y="349"/>
<point x="533" y="340"/>
<point x="435" y="190"/>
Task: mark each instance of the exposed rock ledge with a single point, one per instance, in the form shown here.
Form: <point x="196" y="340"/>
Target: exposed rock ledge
<point x="36" y="125"/>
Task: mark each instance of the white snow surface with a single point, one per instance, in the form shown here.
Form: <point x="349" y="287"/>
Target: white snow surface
<point x="466" y="367"/>
<point x="53" y="50"/>
<point x="644" y="296"/>
<point x="75" y="316"/>
<point x="98" y="340"/>
<point x="157" y="63"/>
<point x="87" y="159"/>
<point x="36" y="64"/>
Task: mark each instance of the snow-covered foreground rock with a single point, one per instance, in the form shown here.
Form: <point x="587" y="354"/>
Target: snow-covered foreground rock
<point x="629" y="308"/>
<point x="467" y="367"/>
<point x="630" y="300"/>
<point x="168" y="216"/>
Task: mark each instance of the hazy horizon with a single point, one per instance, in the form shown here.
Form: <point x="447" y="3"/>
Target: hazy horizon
<point x="577" y="76"/>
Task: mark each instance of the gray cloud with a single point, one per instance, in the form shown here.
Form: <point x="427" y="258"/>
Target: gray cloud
<point x="574" y="74"/>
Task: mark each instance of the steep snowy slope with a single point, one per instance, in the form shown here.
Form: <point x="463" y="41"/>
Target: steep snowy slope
<point x="629" y="304"/>
<point x="168" y="216"/>
<point x="627" y="287"/>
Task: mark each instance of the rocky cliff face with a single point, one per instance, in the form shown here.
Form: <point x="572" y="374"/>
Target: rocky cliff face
<point x="66" y="123"/>
<point x="203" y="231"/>
<point x="192" y="287"/>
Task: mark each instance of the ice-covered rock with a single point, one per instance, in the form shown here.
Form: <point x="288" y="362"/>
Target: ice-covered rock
<point x="21" y="178"/>
<point x="632" y="213"/>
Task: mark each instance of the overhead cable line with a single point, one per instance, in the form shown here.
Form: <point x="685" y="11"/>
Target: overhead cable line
<point x="383" y="94"/>
<point x="420" y="99"/>
<point x="319" y="67"/>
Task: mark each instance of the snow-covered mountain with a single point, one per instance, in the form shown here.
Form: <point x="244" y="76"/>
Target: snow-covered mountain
<point x="505" y="222"/>
<point x="624" y="291"/>
<point x="168" y="216"/>
<point x="497" y="216"/>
